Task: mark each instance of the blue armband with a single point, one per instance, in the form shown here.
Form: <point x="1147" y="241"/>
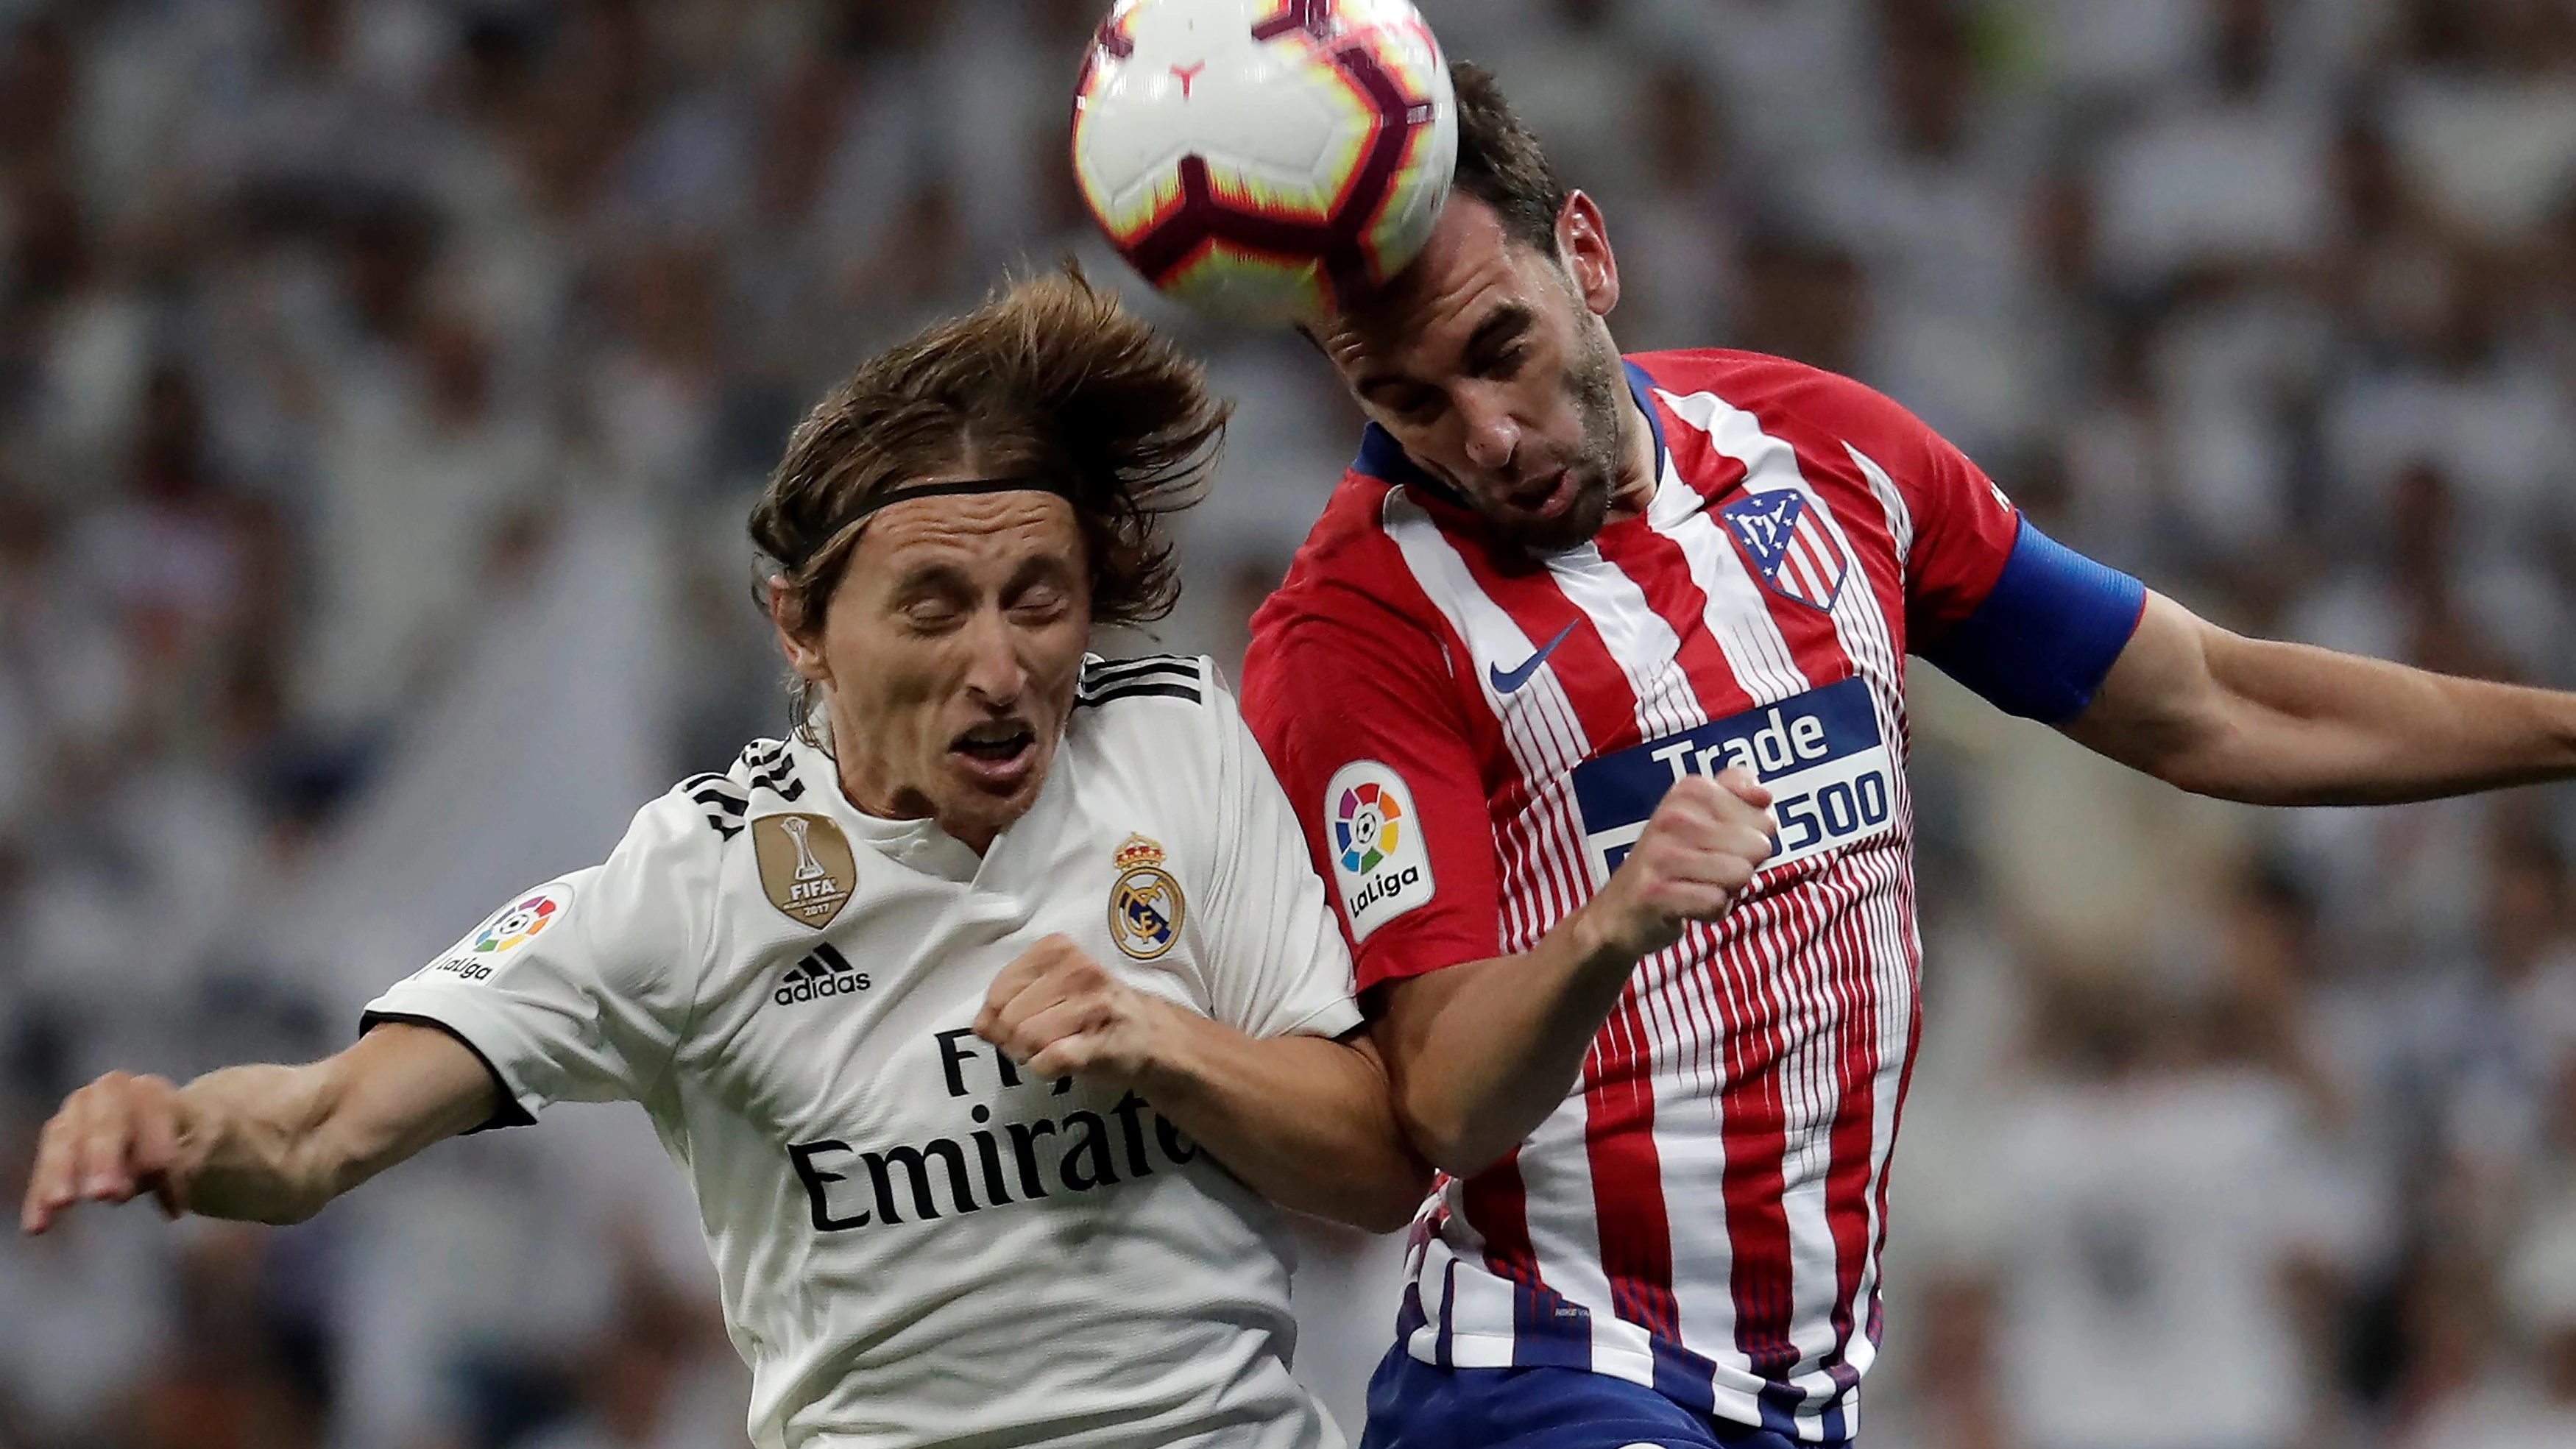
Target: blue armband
<point x="2047" y="634"/>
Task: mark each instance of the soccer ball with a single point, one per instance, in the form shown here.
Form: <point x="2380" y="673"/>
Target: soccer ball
<point x="1267" y="160"/>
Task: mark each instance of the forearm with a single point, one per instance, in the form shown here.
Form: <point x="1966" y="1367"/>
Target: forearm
<point x="2287" y="724"/>
<point x="256" y="1133"/>
<point x="275" y="1144"/>
<point x="1480" y="1054"/>
<point x="2319" y="728"/>
<point x="1305" y="1121"/>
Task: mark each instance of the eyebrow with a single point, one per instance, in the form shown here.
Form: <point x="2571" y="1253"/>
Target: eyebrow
<point x="945" y="577"/>
<point x="1044" y="568"/>
<point x="1506" y="322"/>
<point x="929" y="577"/>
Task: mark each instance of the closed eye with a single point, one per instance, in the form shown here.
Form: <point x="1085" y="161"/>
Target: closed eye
<point x="1419" y="407"/>
<point x="1500" y="343"/>
<point x="1043" y="606"/>
<point x="1400" y="398"/>
<point x="933" y="616"/>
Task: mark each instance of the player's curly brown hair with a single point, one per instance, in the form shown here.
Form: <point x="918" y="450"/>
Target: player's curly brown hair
<point x="1049" y="379"/>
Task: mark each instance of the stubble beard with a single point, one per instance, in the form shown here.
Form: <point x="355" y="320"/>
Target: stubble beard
<point x="1595" y="382"/>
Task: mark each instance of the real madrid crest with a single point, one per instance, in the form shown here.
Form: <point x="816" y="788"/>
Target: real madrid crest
<point x="805" y="866"/>
<point x="1145" y="906"/>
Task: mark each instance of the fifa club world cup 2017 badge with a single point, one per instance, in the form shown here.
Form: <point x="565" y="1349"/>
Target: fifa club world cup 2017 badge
<point x="805" y="866"/>
<point x="1145" y="906"/>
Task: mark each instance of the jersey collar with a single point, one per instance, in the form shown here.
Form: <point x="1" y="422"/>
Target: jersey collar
<point x="1642" y="388"/>
<point x="1383" y="458"/>
<point x="920" y="845"/>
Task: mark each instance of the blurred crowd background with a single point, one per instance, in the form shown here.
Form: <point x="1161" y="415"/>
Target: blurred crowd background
<point x="383" y="384"/>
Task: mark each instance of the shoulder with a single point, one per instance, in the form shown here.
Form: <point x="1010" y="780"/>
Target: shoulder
<point x="1349" y="538"/>
<point x="1352" y="579"/>
<point x="1752" y="379"/>
<point x="696" y="858"/>
<point x="1161" y="713"/>
<point x="767" y="774"/>
<point x="1352" y="621"/>
<point x="1151" y="734"/>
<point x="1714" y="388"/>
<point x="1164" y="685"/>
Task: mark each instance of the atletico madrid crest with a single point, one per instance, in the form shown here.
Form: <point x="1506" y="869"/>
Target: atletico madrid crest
<point x="1791" y="548"/>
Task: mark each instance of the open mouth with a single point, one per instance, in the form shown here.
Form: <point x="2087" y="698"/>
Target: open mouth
<point x="1547" y="496"/>
<point x="997" y="743"/>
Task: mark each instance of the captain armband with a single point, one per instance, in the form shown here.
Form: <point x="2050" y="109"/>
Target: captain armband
<point x="2047" y="634"/>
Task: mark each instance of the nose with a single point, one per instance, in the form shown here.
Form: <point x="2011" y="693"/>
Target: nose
<point x="1492" y="436"/>
<point x="994" y="673"/>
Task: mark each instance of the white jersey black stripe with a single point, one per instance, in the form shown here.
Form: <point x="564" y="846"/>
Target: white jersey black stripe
<point x="1154" y="677"/>
<point x="1098" y="671"/>
<point x="886" y="1198"/>
<point x="725" y="803"/>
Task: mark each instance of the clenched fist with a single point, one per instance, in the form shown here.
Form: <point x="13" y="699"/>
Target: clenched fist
<point x="1059" y="1013"/>
<point x="114" y="1140"/>
<point x="1703" y="844"/>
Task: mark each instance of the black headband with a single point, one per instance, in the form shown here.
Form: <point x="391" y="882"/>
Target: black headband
<point x="858" y="522"/>
<point x="893" y="496"/>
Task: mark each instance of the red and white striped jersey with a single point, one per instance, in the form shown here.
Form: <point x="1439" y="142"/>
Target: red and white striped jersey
<point x="1474" y="739"/>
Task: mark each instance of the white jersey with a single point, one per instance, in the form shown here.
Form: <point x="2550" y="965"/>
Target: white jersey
<point x="917" y="1243"/>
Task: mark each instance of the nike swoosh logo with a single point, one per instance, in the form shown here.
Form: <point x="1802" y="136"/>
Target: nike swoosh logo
<point x="1510" y="683"/>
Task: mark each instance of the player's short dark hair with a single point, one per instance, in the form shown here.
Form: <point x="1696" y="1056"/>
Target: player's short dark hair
<point x="1501" y="163"/>
<point x="1049" y="379"/>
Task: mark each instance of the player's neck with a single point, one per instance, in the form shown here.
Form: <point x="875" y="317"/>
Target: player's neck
<point x="871" y="788"/>
<point x="1635" y="492"/>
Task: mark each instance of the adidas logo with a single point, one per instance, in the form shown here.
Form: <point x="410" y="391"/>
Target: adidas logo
<point x="826" y="973"/>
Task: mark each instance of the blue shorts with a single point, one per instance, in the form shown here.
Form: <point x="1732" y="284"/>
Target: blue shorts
<point x="1415" y="1405"/>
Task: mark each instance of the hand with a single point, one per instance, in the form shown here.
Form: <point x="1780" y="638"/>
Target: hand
<point x="1059" y="1013"/>
<point x="113" y="1141"/>
<point x="1702" y="846"/>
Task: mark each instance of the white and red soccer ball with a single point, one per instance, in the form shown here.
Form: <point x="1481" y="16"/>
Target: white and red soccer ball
<point x="1266" y="160"/>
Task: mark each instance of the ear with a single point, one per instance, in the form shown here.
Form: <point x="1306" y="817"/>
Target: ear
<point x="803" y="652"/>
<point x="1583" y="246"/>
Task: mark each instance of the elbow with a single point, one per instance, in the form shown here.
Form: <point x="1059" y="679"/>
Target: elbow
<point x="1454" y="1145"/>
<point x="1397" y="1201"/>
<point x="2209" y="757"/>
<point x="288" y="1215"/>
<point x="1386" y="1194"/>
<point x="1388" y="1212"/>
<point x="2216" y="770"/>
<point x="1466" y="1158"/>
<point x="1380" y="1200"/>
<point x="2194" y="773"/>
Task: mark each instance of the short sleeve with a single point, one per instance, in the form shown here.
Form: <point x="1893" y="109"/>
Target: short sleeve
<point x="1277" y="964"/>
<point x="579" y="989"/>
<point x="1384" y="780"/>
<point x="1964" y="528"/>
<point x="2030" y="625"/>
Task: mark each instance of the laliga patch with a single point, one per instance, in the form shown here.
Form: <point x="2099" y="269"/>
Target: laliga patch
<point x="805" y="866"/>
<point x="1380" y="862"/>
<point x="508" y="929"/>
<point x="1145" y="904"/>
<point x="1831" y="775"/>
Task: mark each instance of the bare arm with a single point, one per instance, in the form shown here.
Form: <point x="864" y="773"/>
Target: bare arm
<point x="1481" y="1053"/>
<point x="261" y="1143"/>
<point x="1303" y="1119"/>
<point x="1306" y="1120"/>
<point x="2286" y="724"/>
